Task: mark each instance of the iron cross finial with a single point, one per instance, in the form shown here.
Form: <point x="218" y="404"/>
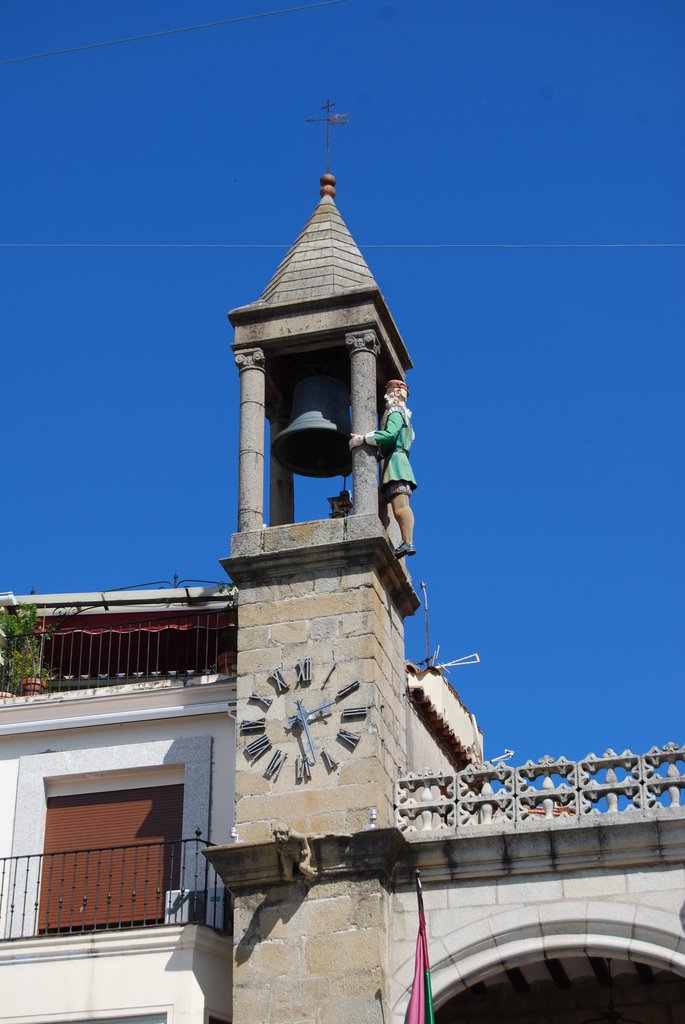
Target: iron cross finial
<point x="330" y="119"/>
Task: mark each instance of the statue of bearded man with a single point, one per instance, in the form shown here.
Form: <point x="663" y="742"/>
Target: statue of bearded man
<point x="393" y="441"/>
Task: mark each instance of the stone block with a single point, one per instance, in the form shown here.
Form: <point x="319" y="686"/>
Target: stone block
<point x="363" y="527"/>
<point x="245" y="544"/>
<point x="326" y="629"/>
<point x="588" y="886"/>
<point x="349" y="648"/>
<point x="293" y="998"/>
<point x="324" y="916"/>
<point x="285" y="588"/>
<point x="356" y="623"/>
<point x="306" y="607"/>
<point x="250" y="783"/>
<point x="254" y="831"/>
<point x="329" y="584"/>
<point x="370" y="911"/>
<point x="261" y="659"/>
<point x="361" y="983"/>
<point x="307" y="802"/>
<point x="445" y="922"/>
<point x="356" y="949"/>
<point x="250" y="1003"/>
<point x="303" y="535"/>
<point x="289" y="632"/>
<point x="329" y="823"/>
<point x="461" y="896"/>
<point x="656" y="880"/>
<point x="366" y="1009"/>
<point x="255" y="636"/>
<point x="539" y="890"/>
<point x="271" y="958"/>
<point x="357" y="772"/>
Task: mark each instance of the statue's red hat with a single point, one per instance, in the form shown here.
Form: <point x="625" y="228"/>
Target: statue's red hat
<point x="397" y="384"/>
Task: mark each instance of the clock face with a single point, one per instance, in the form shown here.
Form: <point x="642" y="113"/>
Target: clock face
<point x="320" y="721"/>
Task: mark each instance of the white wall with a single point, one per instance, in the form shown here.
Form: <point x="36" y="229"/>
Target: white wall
<point x="183" y="973"/>
<point x="100" y="739"/>
<point x="500" y="900"/>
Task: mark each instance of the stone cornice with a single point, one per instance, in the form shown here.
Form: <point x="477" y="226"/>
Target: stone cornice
<point x="59" y="711"/>
<point x="495" y="853"/>
<point x="255" y="866"/>
<point x="388" y="854"/>
<point x="297" y="326"/>
<point x="124" y="942"/>
<point x="300" y="547"/>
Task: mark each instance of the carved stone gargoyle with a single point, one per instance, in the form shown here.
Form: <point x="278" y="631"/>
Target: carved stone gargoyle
<point x="294" y="853"/>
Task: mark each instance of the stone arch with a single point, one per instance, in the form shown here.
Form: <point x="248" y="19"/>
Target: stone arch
<point x="513" y="938"/>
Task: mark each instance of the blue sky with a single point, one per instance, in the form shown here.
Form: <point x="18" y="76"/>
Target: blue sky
<point x="547" y="390"/>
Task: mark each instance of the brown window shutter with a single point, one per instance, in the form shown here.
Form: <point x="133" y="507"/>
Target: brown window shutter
<point x="110" y="858"/>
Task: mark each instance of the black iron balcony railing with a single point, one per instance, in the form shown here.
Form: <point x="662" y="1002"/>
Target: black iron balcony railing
<point x="85" y="652"/>
<point x="142" y="886"/>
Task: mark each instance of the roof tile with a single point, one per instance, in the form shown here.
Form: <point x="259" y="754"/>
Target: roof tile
<point x="324" y="260"/>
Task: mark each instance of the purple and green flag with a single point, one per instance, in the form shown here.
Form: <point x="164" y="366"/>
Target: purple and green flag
<point x="420" y="1009"/>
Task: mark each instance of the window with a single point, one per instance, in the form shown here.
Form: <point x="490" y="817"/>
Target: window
<point x="110" y="858"/>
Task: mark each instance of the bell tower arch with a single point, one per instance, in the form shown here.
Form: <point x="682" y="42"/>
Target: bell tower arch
<point x="313" y="351"/>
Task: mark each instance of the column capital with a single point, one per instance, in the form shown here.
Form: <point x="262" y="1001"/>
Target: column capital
<point x="250" y="359"/>
<point x="363" y="341"/>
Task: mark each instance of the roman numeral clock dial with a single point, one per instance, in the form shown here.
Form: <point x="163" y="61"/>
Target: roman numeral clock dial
<point x="321" y="723"/>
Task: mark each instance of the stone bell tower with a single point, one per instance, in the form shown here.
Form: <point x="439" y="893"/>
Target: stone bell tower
<point x="321" y="680"/>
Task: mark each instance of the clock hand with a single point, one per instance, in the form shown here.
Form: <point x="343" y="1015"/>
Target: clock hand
<point x="302" y="717"/>
<point x="346" y="690"/>
<point x="310" y="715"/>
<point x="320" y="710"/>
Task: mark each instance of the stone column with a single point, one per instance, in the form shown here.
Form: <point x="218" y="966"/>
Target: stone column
<point x="250" y="363"/>
<point x="281" y="490"/>
<point x="364" y="349"/>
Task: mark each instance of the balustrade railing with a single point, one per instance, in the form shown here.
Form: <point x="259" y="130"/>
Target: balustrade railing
<point x="141" y="886"/>
<point x="83" y="654"/>
<point x="547" y="792"/>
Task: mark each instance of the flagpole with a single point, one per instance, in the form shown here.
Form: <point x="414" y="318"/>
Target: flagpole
<point x="420" y="1009"/>
<point x="419" y="890"/>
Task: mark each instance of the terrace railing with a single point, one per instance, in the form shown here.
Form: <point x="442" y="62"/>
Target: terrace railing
<point x="143" y="886"/>
<point x="86" y="652"/>
<point x="550" y="792"/>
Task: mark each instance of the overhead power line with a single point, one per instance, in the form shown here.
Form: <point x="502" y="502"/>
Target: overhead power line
<point x="373" y="245"/>
<point x="171" y="31"/>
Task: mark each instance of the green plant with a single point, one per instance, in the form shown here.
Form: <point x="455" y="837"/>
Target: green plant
<point x="22" y="646"/>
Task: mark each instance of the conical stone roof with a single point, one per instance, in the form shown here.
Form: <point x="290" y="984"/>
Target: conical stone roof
<point x="324" y="260"/>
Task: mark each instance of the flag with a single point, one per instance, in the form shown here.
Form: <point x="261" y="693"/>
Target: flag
<point x="420" y="1009"/>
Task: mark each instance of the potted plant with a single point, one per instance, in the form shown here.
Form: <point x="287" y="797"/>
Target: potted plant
<point x="22" y="670"/>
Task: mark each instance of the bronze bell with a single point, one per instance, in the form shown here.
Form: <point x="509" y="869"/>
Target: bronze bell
<point x="316" y="441"/>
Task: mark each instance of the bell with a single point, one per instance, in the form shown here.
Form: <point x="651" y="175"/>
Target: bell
<point x="316" y="441"/>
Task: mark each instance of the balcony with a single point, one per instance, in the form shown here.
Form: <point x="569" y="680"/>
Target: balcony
<point x="82" y="651"/>
<point x="121" y="887"/>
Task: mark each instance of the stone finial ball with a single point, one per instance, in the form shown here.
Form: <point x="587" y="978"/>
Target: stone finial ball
<point x="328" y="185"/>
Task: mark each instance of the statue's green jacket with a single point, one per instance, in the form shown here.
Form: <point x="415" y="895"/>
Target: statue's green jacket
<point x="394" y="443"/>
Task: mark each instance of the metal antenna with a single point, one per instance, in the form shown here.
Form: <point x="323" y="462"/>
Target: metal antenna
<point x="422" y="584"/>
<point x="469" y="659"/>
<point x="330" y="119"/>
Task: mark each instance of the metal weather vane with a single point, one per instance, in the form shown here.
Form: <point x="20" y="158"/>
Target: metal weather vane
<point x="330" y="119"/>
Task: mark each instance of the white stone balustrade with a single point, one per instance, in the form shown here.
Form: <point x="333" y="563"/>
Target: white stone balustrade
<point x="547" y="793"/>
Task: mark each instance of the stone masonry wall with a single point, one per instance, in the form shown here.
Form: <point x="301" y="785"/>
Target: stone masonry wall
<point x="333" y="613"/>
<point x="311" y="956"/>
